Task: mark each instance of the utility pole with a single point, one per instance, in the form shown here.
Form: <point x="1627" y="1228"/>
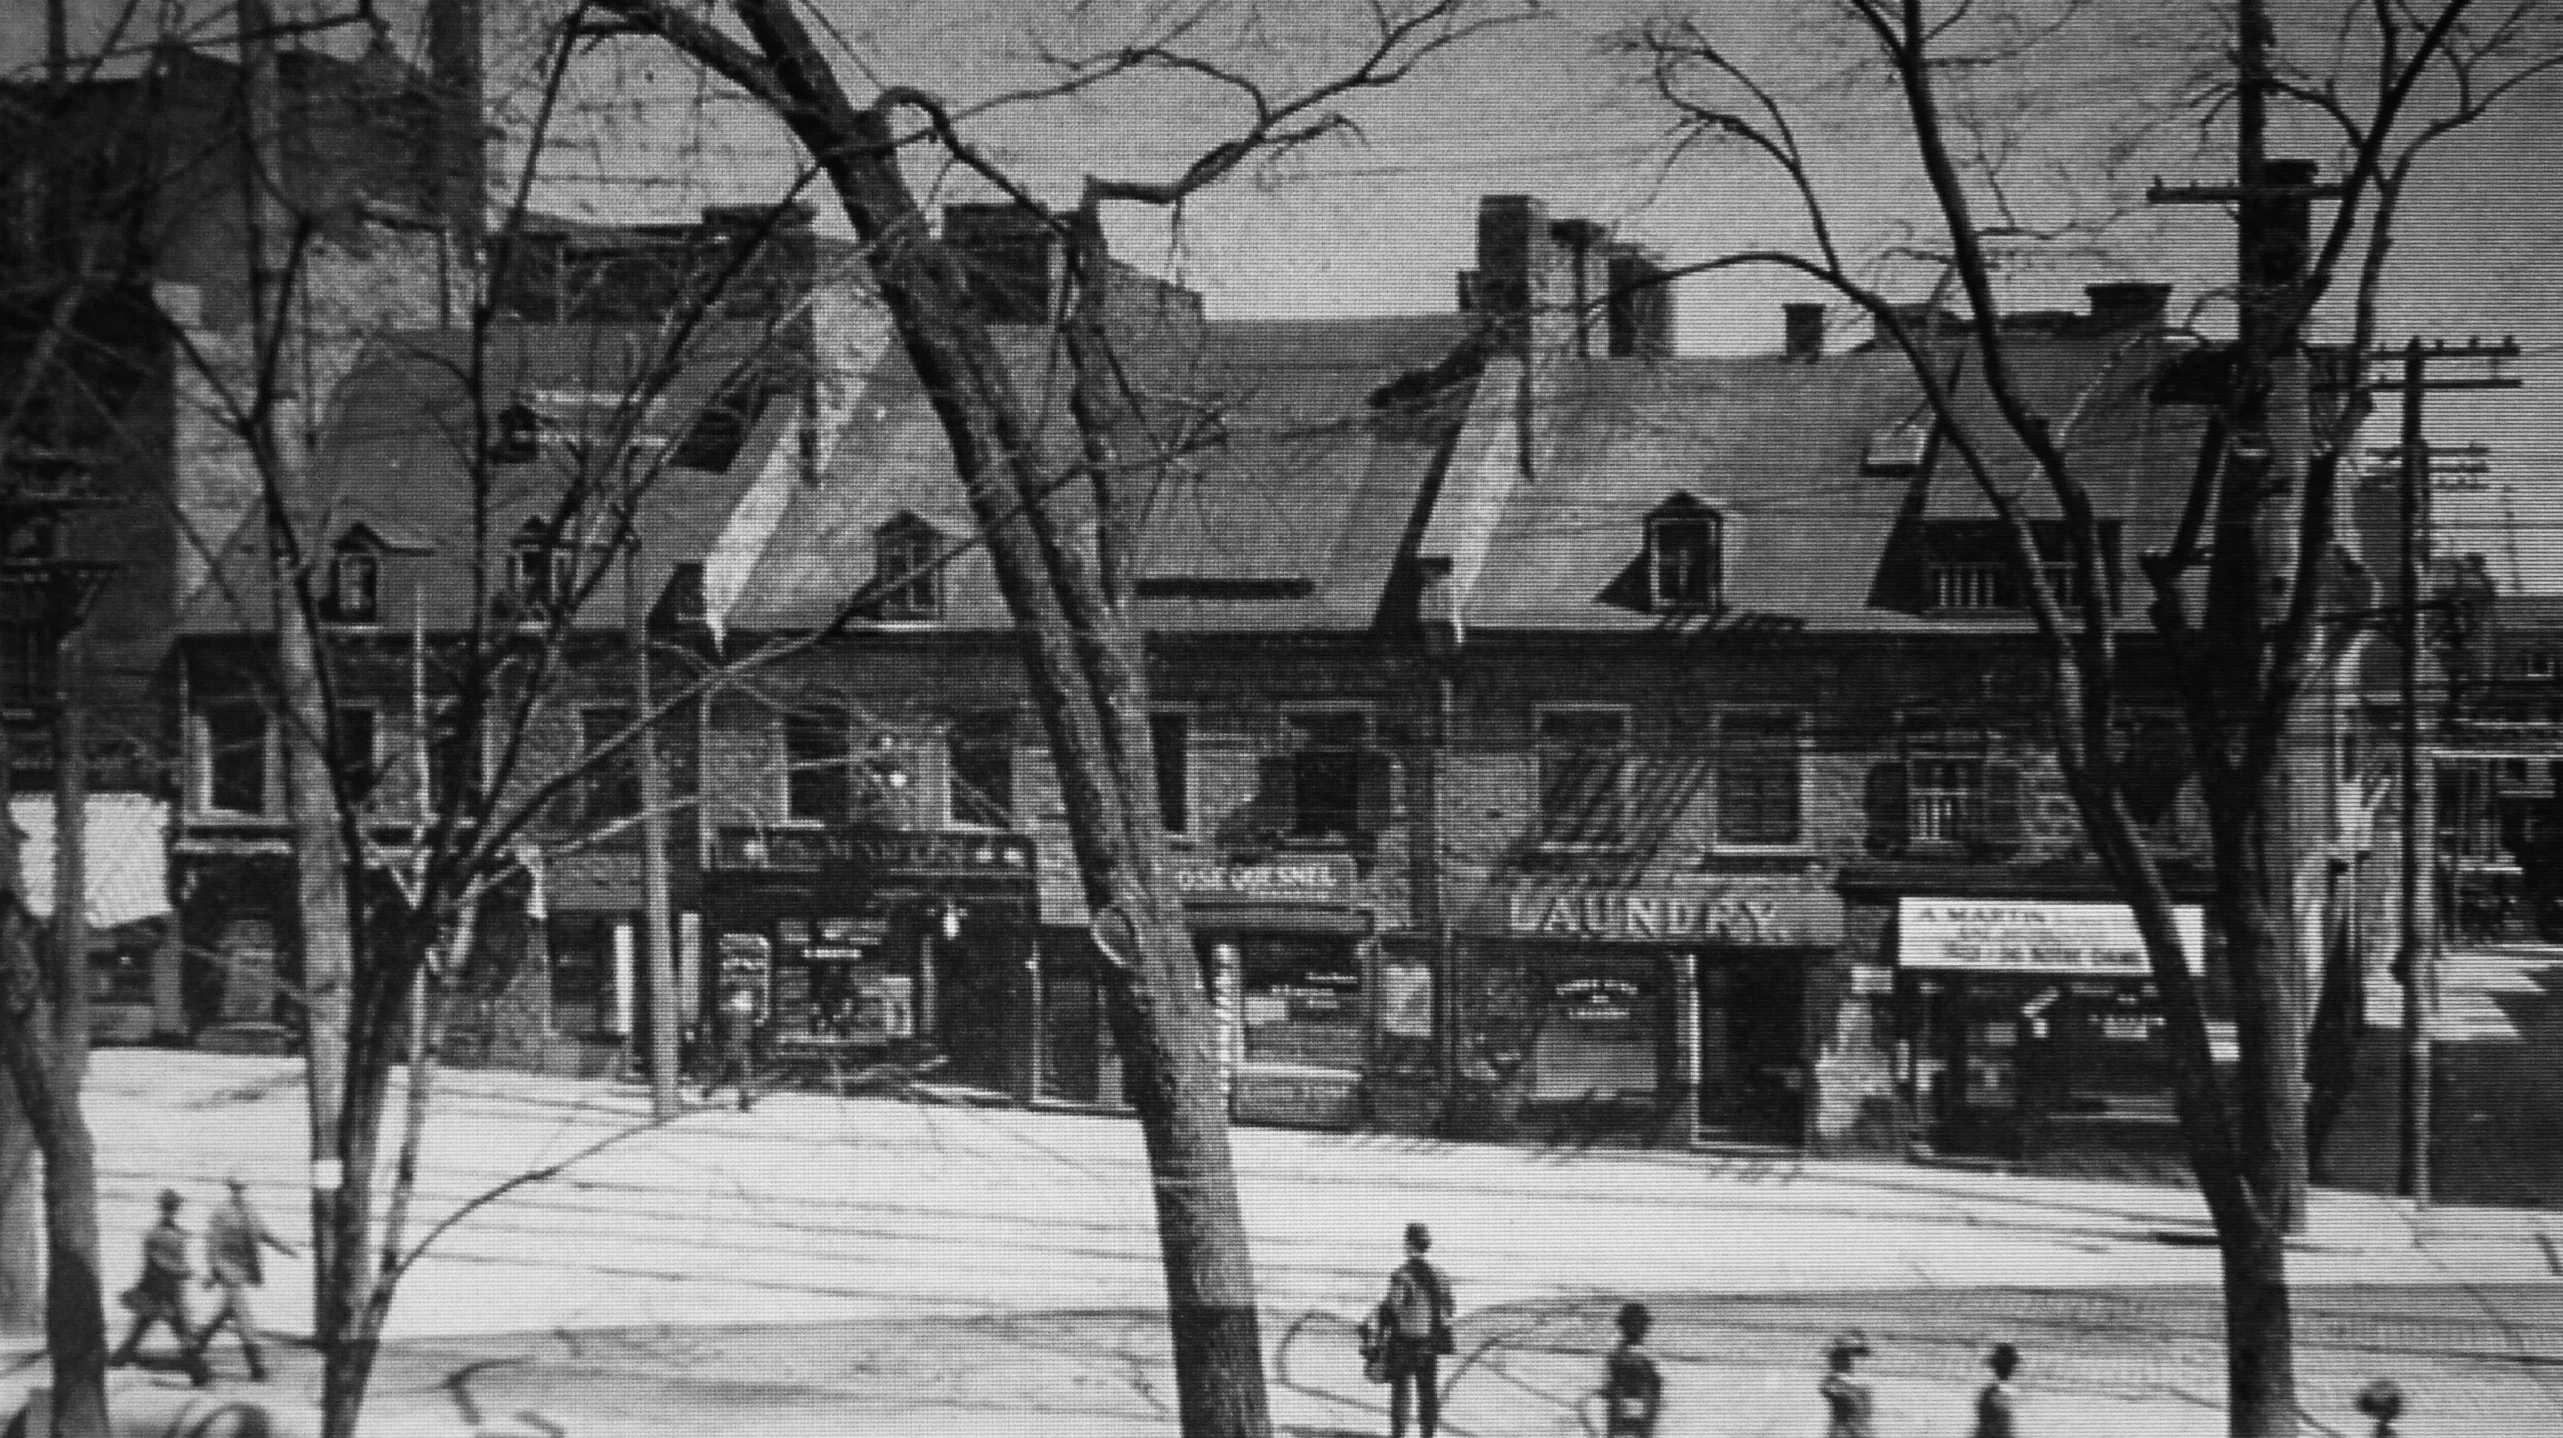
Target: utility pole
<point x="2416" y="956"/>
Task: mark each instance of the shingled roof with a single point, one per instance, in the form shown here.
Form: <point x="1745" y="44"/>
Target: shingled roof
<point x="1814" y="468"/>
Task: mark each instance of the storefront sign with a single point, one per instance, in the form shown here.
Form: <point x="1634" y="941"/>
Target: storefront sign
<point x="1320" y="880"/>
<point x="2010" y="936"/>
<point x="1708" y="915"/>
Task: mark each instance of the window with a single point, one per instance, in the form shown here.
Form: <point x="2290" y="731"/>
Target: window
<point x="355" y="584"/>
<point x="682" y="601"/>
<point x="2537" y="664"/>
<point x="610" y="787"/>
<point x="1683" y="557"/>
<point x="1326" y="774"/>
<point x="1583" y="755"/>
<point x="1948" y="791"/>
<point x="546" y="574"/>
<point x="1758" y="779"/>
<point x="454" y="771"/>
<point x="979" y="769"/>
<point x="516" y="435"/>
<point x="817" y="755"/>
<point x="1170" y="741"/>
<point x="909" y="582"/>
<point x="236" y="756"/>
<point x="354" y="754"/>
<point x="1995" y="584"/>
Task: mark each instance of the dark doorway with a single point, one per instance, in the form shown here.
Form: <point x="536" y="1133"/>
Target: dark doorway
<point x="1753" y="1047"/>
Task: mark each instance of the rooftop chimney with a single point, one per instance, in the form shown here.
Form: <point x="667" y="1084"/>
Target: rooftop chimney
<point x="1802" y="332"/>
<point x="1512" y="262"/>
<point x="454" y="78"/>
<point x="2127" y="304"/>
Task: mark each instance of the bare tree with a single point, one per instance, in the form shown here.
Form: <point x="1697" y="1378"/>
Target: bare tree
<point x="1059" y="517"/>
<point x="2240" y="597"/>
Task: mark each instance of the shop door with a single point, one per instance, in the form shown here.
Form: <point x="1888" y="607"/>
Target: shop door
<point x="972" y="1017"/>
<point x="1765" y="1017"/>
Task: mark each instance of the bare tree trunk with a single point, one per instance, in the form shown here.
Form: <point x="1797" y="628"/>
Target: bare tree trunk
<point x="70" y="863"/>
<point x="21" y="1227"/>
<point x="658" y="926"/>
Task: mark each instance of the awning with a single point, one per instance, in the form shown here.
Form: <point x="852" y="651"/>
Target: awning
<point x="128" y="856"/>
<point x="1286" y="918"/>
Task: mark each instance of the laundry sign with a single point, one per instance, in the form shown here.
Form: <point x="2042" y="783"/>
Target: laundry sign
<point x="2022" y="937"/>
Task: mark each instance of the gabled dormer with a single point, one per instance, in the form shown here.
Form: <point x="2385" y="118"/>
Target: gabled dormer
<point x="355" y="582"/>
<point x="1685" y="557"/>
<point x="542" y="571"/>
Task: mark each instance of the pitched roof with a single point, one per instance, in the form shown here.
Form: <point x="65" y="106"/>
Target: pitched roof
<point x="395" y="464"/>
<point x="1285" y="512"/>
<point x="1776" y="448"/>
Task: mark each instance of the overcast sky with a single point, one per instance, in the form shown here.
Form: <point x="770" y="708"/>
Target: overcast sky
<point x="1380" y="224"/>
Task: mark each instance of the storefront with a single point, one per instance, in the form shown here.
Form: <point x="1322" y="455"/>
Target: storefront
<point x="2033" y="1026"/>
<point x="1287" y="958"/>
<point x="1668" y="1012"/>
<point x="869" y="946"/>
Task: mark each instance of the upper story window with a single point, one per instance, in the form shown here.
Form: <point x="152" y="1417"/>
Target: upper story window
<point x="1957" y="566"/>
<point x="1170" y="744"/>
<point x="235" y="763"/>
<point x="1759" y="772"/>
<point x="515" y="435"/>
<point x="906" y="574"/>
<point x="453" y="755"/>
<point x="2537" y="663"/>
<point x="682" y="601"/>
<point x="1685" y="557"/>
<point x="355" y="585"/>
<point x="1947" y="790"/>
<point x="610" y="787"/>
<point x="1995" y="584"/>
<point x="1584" y="759"/>
<point x="354" y="752"/>
<point x="979" y="770"/>
<point x="818" y="759"/>
<point x="1327" y="753"/>
<point x="545" y="574"/>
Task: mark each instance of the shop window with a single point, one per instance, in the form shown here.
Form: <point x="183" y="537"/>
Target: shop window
<point x="1302" y="1001"/>
<point x="906" y="574"/>
<point x="609" y="786"/>
<point x="979" y="770"/>
<point x="1170" y="743"/>
<point x="818" y="778"/>
<point x="236" y="756"/>
<point x="121" y="975"/>
<point x="1598" y="1035"/>
<point x="1758" y="773"/>
<point x="1685" y="557"/>
<point x="353" y="752"/>
<point x="1583" y="757"/>
<point x="1328" y="763"/>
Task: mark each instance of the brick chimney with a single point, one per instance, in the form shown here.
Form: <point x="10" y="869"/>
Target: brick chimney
<point x="2127" y="304"/>
<point x="1640" y="312"/>
<point x="1510" y="285"/>
<point x="1009" y="253"/>
<point x="1802" y="332"/>
<point x="457" y="183"/>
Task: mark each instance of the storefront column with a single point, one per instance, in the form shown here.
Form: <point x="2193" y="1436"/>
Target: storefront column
<point x="623" y="977"/>
<point x="1226" y="975"/>
<point x="689" y="969"/>
<point x="1034" y="1025"/>
<point x="1682" y="1119"/>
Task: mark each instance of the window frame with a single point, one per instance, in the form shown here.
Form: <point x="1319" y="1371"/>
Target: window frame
<point x="609" y="790"/>
<point x="904" y="551"/>
<point x="1175" y="816"/>
<point x="260" y="749"/>
<point x="366" y="606"/>
<point x="835" y="728"/>
<point x="1553" y="835"/>
<point x="1295" y="723"/>
<point x="1728" y="761"/>
<point x="1686" y="515"/>
<point x="998" y="739"/>
<point x="349" y="774"/>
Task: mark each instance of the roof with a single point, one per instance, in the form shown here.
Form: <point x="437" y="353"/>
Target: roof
<point x="394" y="465"/>
<point x="127" y="856"/>
<point x="1775" y="447"/>
<point x="1286" y="511"/>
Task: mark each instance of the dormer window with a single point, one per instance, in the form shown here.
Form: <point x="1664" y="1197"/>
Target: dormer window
<point x="546" y="574"/>
<point x="355" y="586"/>
<point x="1685" y="558"/>
<point x="516" y="435"/>
<point x="1899" y="450"/>
<point x="905" y="570"/>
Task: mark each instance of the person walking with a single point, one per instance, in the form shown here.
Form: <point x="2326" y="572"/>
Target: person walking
<point x="1632" y="1390"/>
<point x="160" y="1295"/>
<point x="736" y="1021"/>
<point x="1850" y="1406"/>
<point x="233" y="1236"/>
<point x="1415" y="1324"/>
<point x="1998" y="1404"/>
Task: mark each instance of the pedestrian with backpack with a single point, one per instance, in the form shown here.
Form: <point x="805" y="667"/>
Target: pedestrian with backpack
<point x="1632" y="1389"/>
<point x="1415" y="1325"/>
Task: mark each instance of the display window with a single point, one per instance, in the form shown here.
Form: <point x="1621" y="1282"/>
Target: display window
<point x="1300" y="1000"/>
<point x="1600" y="1034"/>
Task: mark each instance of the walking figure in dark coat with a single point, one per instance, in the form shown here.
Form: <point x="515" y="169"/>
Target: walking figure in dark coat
<point x="1632" y="1390"/>
<point x="160" y="1295"/>
<point x="735" y="1021"/>
<point x="1415" y="1329"/>
<point x="1850" y="1407"/>
<point x="233" y="1236"/>
<point x="1998" y="1404"/>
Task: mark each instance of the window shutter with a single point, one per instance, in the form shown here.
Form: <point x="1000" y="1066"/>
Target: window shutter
<point x="1886" y="805"/>
<point x="2005" y="822"/>
<point x="1378" y="791"/>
